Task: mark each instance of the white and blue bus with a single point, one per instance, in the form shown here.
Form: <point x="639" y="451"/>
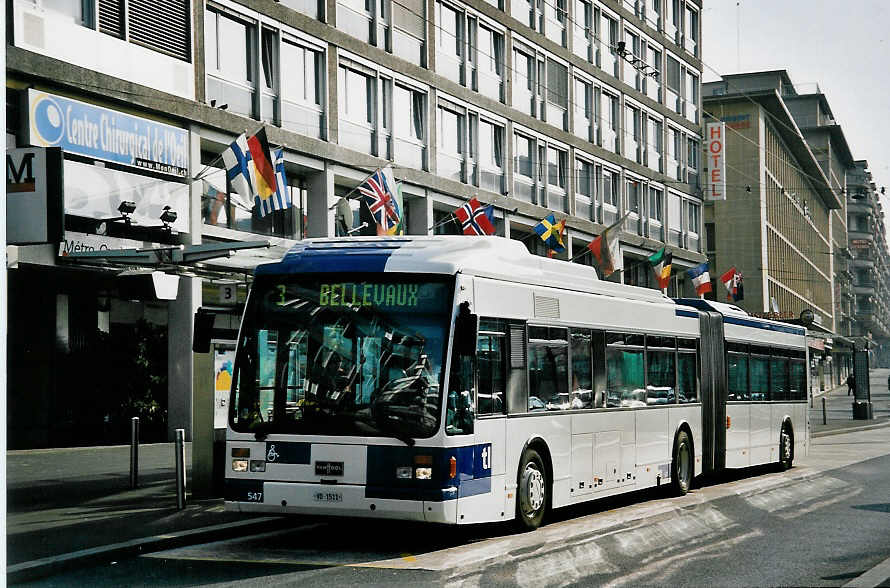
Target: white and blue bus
<point x="463" y="380"/>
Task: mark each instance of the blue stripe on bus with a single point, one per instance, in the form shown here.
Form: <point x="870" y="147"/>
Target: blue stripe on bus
<point x="690" y="313"/>
<point x="766" y="326"/>
<point x="359" y="257"/>
<point x="472" y="476"/>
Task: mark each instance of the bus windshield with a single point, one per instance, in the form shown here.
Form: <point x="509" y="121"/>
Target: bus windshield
<point x="327" y="357"/>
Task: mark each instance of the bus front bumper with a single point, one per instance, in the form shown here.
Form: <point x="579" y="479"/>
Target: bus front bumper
<point x="347" y="500"/>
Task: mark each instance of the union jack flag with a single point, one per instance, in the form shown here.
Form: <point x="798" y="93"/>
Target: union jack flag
<point x="475" y="219"/>
<point x="378" y="193"/>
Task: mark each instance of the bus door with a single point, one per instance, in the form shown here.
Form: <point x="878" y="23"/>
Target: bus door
<point x="492" y="355"/>
<point x="713" y="389"/>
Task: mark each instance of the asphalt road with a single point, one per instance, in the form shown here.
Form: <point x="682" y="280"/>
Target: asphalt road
<point x="823" y="523"/>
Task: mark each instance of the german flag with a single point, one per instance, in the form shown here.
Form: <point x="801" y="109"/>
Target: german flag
<point x="265" y="171"/>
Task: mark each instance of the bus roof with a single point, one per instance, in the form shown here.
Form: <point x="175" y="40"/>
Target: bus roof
<point x="736" y="316"/>
<point x="490" y="257"/>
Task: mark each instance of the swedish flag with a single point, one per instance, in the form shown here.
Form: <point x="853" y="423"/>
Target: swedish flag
<point x="550" y="233"/>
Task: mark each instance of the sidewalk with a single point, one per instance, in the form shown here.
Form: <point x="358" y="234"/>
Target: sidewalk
<point x="839" y="407"/>
<point x="70" y="507"/>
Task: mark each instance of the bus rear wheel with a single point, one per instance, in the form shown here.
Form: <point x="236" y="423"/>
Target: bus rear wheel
<point x="786" y="448"/>
<point x="533" y="491"/>
<point x="681" y="465"/>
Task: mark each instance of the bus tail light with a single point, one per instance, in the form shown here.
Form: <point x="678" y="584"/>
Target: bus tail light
<point x="423" y="473"/>
<point x="239" y="465"/>
<point x="257" y="465"/>
<point x="403" y="473"/>
<point x="452" y="467"/>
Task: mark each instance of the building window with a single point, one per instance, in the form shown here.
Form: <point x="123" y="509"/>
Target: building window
<point x="586" y="204"/>
<point x="654" y="132"/>
<point x="359" y="18"/>
<point x="692" y="154"/>
<point x="582" y="29"/>
<point x="656" y="214"/>
<point x="674" y="154"/>
<point x="606" y="55"/>
<point x="690" y="37"/>
<point x="652" y="13"/>
<point x="673" y="86"/>
<point x="672" y="19"/>
<point x="524" y="170"/>
<point x="610" y="196"/>
<point x="357" y="105"/>
<point x="313" y="8"/>
<point x="555" y="21"/>
<point x="675" y="219"/>
<point x="691" y="96"/>
<point x="451" y="43"/>
<point x="583" y="105"/>
<point x="557" y="94"/>
<point x="302" y="88"/>
<point x="632" y="146"/>
<point x="409" y="124"/>
<point x="530" y="13"/>
<point x="693" y="229"/>
<point x="633" y="205"/>
<point x="488" y="78"/>
<point x="608" y="137"/>
<point x="409" y="30"/>
<point x="540" y="87"/>
<point x="557" y="176"/>
<point x="229" y="60"/>
<point x="491" y="156"/>
<point x="631" y="73"/>
<point x="652" y="79"/>
<point x="451" y="133"/>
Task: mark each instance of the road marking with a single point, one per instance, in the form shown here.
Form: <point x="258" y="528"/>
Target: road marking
<point x="873" y="577"/>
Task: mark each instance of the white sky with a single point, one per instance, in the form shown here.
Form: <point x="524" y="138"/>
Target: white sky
<point x="843" y="46"/>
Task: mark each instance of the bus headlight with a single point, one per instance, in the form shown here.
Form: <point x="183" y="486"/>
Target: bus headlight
<point x="239" y="465"/>
<point x="423" y="473"/>
<point x="257" y="465"/>
<point x="403" y="473"/>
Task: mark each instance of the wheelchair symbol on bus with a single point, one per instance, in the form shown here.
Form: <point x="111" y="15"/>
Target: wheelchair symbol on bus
<point x="272" y="455"/>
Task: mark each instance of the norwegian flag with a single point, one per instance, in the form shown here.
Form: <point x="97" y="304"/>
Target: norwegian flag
<point x="379" y="196"/>
<point x="474" y="218"/>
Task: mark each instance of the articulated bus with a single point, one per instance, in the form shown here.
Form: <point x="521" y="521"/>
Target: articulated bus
<point x="461" y="380"/>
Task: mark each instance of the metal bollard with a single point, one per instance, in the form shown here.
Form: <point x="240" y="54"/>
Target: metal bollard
<point x="824" y="415"/>
<point x="180" y="469"/>
<point x="134" y="452"/>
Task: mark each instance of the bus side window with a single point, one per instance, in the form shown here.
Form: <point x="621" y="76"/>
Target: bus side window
<point x="582" y="380"/>
<point x="491" y="360"/>
<point x="687" y="370"/>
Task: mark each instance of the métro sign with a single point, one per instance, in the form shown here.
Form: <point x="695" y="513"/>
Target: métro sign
<point x="715" y="138"/>
<point x="33" y="196"/>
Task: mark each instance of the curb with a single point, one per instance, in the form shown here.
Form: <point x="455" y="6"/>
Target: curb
<point x="850" y="429"/>
<point x="47" y="566"/>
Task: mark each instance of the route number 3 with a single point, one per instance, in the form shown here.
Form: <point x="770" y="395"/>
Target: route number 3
<point x="228" y="294"/>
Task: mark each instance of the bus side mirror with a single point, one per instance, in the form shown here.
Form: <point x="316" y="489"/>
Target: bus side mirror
<point x="465" y="330"/>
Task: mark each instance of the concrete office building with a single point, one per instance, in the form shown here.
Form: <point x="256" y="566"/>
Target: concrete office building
<point x="870" y="265"/>
<point x="775" y="225"/>
<point x="584" y="108"/>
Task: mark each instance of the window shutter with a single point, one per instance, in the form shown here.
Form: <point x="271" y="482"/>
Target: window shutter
<point x="161" y="25"/>
<point x="111" y="18"/>
<point x="408" y="15"/>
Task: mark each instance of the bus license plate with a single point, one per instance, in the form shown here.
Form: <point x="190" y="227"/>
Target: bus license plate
<point x="328" y="497"/>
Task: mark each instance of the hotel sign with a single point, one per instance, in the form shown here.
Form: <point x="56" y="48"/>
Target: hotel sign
<point x="109" y="135"/>
<point x="715" y="137"/>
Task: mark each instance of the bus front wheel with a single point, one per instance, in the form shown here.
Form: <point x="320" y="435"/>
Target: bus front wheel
<point x="681" y="466"/>
<point x="533" y="491"/>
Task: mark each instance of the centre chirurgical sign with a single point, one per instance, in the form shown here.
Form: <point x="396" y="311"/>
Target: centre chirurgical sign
<point x="109" y="135"/>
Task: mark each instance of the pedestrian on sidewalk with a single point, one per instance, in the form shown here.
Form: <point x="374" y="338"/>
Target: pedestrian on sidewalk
<point x="851" y="383"/>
